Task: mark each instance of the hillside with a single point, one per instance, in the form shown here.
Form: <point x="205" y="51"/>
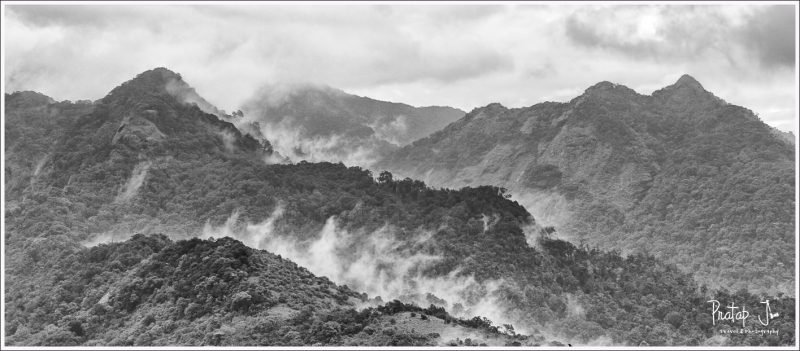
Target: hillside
<point x="143" y="161"/>
<point x="681" y="174"/>
<point x="319" y="123"/>
<point x="152" y="291"/>
<point x="33" y="123"/>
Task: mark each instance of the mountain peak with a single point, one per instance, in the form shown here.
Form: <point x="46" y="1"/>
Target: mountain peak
<point x="158" y="74"/>
<point x="602" y="85"/>
<point x="686" y="89"/>
<point x="608" y="86"/>
<point x="154" y="81"/>
<point x="606" y="90"/>
<point x="161" y="81"/>
<point x="157" y="78"/>
<point x="688" y="81"/>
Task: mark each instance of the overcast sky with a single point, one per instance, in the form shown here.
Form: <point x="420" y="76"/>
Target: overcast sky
<point x="456" y="55"/>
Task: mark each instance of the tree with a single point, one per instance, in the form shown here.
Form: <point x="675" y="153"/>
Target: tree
<point x="385" y="177"/>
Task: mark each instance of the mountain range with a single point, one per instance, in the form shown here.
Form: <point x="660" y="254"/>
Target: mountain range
<point x="146" y="218"/>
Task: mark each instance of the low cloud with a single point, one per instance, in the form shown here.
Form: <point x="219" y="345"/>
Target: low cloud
<point x="291" y="142"/>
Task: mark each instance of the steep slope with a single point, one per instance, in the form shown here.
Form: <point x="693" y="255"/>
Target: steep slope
<point x="680" y="174"/>
<point x="142" y="161"/>
<point x="318" y="123"/>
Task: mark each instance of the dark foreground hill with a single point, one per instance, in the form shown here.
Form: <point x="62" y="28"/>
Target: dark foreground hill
<point x="152" y="291"/>
<point x="680" y="174"/>
<point x="141" y="160"/>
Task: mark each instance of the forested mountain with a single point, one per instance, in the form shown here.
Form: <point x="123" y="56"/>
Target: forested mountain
<point x="143" y="160"/>
<point x="320" y="123"/>
<point x="680" y="174"/>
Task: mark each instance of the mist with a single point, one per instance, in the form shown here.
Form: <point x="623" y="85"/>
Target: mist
<point x="386" y="263"/>
<point x="39" y="164"/>
<point x="391" y="132"/>
<point x="550" y="209"/>
<point x="378" y="263"/>
<point x="136" y="180"/>
<point x="296" y="143"/>
<point x="187" y="95"/>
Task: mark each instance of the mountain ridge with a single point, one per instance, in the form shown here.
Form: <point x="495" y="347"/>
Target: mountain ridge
<point x="608" y="149"/>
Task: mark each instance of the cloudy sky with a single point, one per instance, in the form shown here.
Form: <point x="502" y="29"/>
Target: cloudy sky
<point x="459" y="55"/>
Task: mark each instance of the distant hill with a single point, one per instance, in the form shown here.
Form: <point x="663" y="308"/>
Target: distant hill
<point x="319" y="123"/>
<point x="679" y="173"/>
